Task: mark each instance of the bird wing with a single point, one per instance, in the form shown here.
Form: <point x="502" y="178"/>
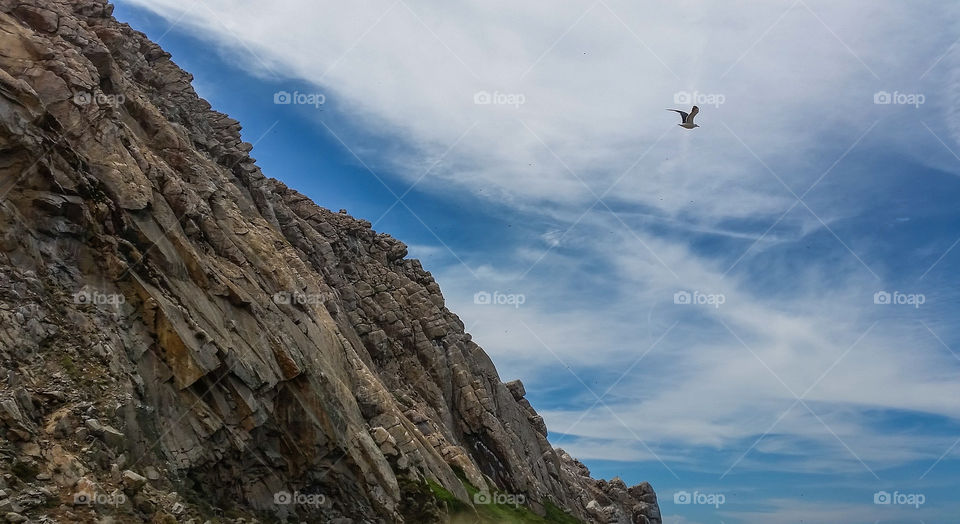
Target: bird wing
<point x="693" y="113"/>
<point x="683" y="114"/>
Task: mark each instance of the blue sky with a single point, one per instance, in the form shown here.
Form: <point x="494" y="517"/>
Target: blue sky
<point x="789" y="392"/>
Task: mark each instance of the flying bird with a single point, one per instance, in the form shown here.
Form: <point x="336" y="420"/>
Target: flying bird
<point x="686" y="119"/>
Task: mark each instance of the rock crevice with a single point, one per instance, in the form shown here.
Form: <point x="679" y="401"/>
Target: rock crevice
<point x="187" y="335"/>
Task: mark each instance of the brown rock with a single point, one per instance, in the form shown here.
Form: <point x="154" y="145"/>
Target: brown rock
<point x="358" y="389"/>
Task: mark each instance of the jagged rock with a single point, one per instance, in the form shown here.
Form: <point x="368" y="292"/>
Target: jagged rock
<point x="163" y="302"/>
<point x="516" y="389"/>
<point x="151" y="473"/>
<point x="132" y="482"/>
<point x="110" y="435"/>
<point x="37" y="17"/>
<point x="15" y="517"/>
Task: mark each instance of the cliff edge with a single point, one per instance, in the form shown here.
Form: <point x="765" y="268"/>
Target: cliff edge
<point x="183" y="338"/>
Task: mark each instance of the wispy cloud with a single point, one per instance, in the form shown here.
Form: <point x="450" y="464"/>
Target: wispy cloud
<point x="771" y="205"/>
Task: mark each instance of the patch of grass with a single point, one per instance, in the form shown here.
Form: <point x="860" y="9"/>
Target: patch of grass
<point x="68" y="365"/>
<point x="504" y="513"/>
<point x="449" y="500"/>
<point x="424" y="501"/>
<point x="430" y="502"/>
<point x="557" y="514"/>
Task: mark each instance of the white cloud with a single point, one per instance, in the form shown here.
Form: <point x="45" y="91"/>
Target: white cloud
<point x="425" y="252"/>
<point x="595" y="82"/>
<point x="790" y="511"/>
<point x="798" y="80"/>
<point x="706" y="386"/>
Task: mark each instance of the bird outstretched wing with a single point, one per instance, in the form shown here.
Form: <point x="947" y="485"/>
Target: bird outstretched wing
<point x="683" y="114"/>
<point x="693" y="113"/>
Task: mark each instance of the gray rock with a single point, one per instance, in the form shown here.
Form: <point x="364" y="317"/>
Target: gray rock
<point x="110" y="435"/>
<point x="151" y="473"/>
<point x="253" y="342"/>
<point x="133" y="482"/>
<point x="516" y="389"/>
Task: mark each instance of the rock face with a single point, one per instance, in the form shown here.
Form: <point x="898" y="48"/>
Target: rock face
<point x="183" y="338"/>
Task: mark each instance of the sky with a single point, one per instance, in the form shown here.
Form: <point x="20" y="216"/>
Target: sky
<point x="757" y="316"/>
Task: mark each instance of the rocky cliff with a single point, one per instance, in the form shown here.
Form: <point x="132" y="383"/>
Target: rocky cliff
<point x="182" y="338"/>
